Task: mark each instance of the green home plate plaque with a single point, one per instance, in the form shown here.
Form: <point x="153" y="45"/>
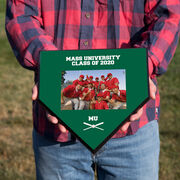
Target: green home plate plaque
<point x="93" y="92"/>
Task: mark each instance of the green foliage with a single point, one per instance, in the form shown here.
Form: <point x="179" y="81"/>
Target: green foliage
<point x="62" y="77"/>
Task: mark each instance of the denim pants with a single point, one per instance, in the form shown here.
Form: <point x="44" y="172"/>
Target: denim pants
<point x="134" y="157"/>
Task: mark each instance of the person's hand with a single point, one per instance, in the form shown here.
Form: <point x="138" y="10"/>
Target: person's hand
<point x="137" y="115"/>
<point x="51" y="118"/>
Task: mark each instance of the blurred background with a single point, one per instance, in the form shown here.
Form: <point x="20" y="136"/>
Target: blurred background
<point x="16" y="155"/>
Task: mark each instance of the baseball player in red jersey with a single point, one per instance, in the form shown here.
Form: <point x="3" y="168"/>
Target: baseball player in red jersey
<point x="89" y="79"/>
<point x="88" y="95"/>
<point x="96" y="84"/>
<point x="102" y="80"/>
<point x="112" y="81"/>
<point x="99" y="103"/>
<point x="118" y="99"/>
<point x="79" y="81"/>
<point x="72" y="92"/>
<point x="105" y="93"/>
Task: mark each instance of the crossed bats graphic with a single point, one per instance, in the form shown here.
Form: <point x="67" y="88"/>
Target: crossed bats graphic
<point x="93" y="126"/>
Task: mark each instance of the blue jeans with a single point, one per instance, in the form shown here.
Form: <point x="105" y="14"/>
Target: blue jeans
<point x="134" y="157"/>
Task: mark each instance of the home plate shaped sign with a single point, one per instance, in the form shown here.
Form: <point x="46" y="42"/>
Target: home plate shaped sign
<point x="93" y="92"/>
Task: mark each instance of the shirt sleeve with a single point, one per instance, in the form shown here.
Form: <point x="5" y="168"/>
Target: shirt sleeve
<point x="65" y="90"/>
<point x="106" y="78"/>
<point x="68" y="89"/>
<point x="75" y="82"/>
<point x="24" y="29"/>
<point x="161" y="35"/>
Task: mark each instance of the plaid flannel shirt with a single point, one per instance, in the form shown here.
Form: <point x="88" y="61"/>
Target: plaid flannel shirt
<point x="35" y="25"/>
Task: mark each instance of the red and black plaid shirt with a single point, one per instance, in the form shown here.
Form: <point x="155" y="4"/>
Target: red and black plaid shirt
<point x="35" y="25"/>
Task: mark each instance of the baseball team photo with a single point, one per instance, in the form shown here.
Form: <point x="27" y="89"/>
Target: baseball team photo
<point x="93" y="89"/>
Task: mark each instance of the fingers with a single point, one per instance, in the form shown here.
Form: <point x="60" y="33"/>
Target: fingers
<point x="62" y="128"/>
<point x="51" y="118"/>
<point x="137" y="115"/>
<point x="125" y="126"/>
<point x="133" y="117"/>
<point x="35" y="92"/>
<point x="152" y="89"/>
<point x="54" y="120"/>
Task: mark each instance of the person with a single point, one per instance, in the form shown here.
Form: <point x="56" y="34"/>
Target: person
<point x="102" y="80"/>
<point x="96" y="84"/>
<point x="99" y="103"/>
<point x="87" y="95"/>
<point x="72" y="93"/>
<point x="111" y="81"/>
<point x="118" y="99"/>
<point x="132" y="153"/>
<point x="90" y="79"/>
<point x="79" y="81"/>
<point x="105" y="93"/>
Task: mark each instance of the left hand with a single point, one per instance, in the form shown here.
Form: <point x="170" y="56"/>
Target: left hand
<point x="51" y="118"/>
<point x="137" y="115"/>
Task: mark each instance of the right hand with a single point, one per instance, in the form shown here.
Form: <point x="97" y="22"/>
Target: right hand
<point x="138" y="114"/>
<point x="51" y="118"/>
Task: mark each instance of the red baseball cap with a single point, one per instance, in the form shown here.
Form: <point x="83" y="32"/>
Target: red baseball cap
<point x="109" y="74"/>
<point x="82" y="76"/>
<point x="102" y="76"/>
<point x="97" y="78"/>
<point x="91" y="77"/>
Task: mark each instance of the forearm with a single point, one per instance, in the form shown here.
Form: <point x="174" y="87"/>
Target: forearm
<point x="25" y="33"/>
<point x="162" y="19"/>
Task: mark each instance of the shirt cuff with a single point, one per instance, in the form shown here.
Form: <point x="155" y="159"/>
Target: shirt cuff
<point x="50" y="48"/>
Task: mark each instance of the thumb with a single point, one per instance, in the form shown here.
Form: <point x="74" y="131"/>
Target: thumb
<point x="152" y="88"/>
<point x="35" y="92"/>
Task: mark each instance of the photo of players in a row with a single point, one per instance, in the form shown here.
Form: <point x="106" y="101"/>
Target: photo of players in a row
<point x="93" y="89"/>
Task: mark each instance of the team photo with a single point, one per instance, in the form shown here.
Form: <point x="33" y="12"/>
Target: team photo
<point x="93" y="90"/>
